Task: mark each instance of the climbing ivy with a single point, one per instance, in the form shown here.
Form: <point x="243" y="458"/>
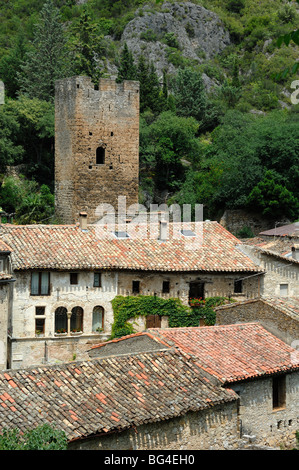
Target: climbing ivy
<point x="180" y="315"/>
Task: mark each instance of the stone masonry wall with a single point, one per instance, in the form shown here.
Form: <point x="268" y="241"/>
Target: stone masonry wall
<point x="268" y="426"/>
<point x="279" y="323"/>
<point x="87" y="119"/>
<point x="27" y="348"/>
<point x="215" y="428"/>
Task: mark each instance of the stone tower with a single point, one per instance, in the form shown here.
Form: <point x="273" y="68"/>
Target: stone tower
<point x="96" y="146"/>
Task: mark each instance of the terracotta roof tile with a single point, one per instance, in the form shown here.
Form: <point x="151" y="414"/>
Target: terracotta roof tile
<point x="68" y="247"/>
<point x="101" y="398"/>
<point x="233" y="352"/>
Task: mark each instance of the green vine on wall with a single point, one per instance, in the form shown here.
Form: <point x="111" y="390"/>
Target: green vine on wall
<point x="179" y="315"/>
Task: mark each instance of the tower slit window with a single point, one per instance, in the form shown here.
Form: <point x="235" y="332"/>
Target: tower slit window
<point x="100" y="156"/>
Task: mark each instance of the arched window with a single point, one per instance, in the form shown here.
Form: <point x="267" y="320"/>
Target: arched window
<point x="98" y="319"/>
<point x="77" y="319"/>
<point x="61" y="320"/>
<point x="100" y="156"/>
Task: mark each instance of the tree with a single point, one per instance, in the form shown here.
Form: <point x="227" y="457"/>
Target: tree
<point x="164" y="145"/>
<point x="273" y="199"/>
<point x="29" y="202"/>
<point x="34" y="134"/>
<point x="10" y="67"/>
<point x="10" y="152"/>
<point x="44" y="437"/>
<point x="189" y="95"/>
<point x="127" y="69"/>
<point x="48" y="58"/>
<point x="87" y="47"/>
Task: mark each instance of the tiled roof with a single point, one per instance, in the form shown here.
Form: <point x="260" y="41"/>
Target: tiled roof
<point x="68" y="247"/>
<point x="100" y="396"/>
<point x="280" y="247"/>
<point x="5" y="276"/>
<point x="233" y="352"/>
<point x="284" y="230"/>
<point x="4" y="248"/>
<point x="228" y="352"/>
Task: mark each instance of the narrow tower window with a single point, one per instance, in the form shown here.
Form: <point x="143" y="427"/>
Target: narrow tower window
<point x="100" y="156"/>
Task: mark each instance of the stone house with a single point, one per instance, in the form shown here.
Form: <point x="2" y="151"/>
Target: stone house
<point x="246" y="358"/>
<point x="213" y="388"/>
<point x="279" y="315"/>
<point x="279" y="258"/>
<point x="67" y="275"/>
<point x="154" y="400"/>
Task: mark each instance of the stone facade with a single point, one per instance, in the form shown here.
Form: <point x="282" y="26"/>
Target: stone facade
<point x="265" y="424"/>
<point x="212" y="429"/>
<point x="281" y="323"/>
<point x="96" y="146"/>
<point x="282" y="274"/>
<point x="29" y="347"/>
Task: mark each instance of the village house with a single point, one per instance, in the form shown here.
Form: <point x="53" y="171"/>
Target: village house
<point x="261" y="369"/>
<point x="279" y="315"/>
<point x="213" y="388"/>
<point x="66" y="277"/>
<point x="276" y="251"/>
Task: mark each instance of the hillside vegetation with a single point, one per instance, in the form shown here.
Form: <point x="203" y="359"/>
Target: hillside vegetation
<point x="217" y="124"/>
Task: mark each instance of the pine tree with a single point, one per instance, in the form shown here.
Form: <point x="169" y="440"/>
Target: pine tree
<point x="47" y="59"/>
<point x="88" y="48"/>
<point x="127" y="68"/>
<point x="149" y="86"/>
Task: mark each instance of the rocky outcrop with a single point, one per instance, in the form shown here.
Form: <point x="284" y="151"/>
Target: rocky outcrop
<point x="197" y="32"/>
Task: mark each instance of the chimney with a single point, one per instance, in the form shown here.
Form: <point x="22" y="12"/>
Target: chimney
<point x="295" y="252"/>
<point x="163" y="229"/>
<point x="83" y="220"/>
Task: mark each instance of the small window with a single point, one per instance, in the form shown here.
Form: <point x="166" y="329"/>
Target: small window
<point x="121" y="234"/>
<point x="166" y="287"/>
<point x="283" y="290"/>
<point x="97" y="281"/>
<point x="279" y="392"/>
<point x="40" y="311"/>
<point x="40" y="283"/>
<point x="74" y="278"/>
<point x="238" y="286"/>
<point x="136" y="287"/>
<point x="39" y="326"/>
<point x="100" y="156"/>
<point x="187" y="233"/>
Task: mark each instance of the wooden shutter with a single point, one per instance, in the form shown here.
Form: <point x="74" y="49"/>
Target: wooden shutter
<point x="153" y="321"/>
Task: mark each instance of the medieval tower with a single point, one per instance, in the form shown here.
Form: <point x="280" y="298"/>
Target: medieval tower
<point x="96" y="146"/>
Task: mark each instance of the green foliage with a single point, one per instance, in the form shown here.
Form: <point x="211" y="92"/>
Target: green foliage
<point x="87" y="47"/>
<point x="130" y="307"/>
<point x="32" y="121"/>
<point x="44" y="437"/>
<point x="240" y="151"/>
<point x="29" y="202"/>
<point x="47" y="60"/>
<point x="189" y="94"/>
<point x="273" y="199"/>
<point x="163" y="146"/>
<point x="127" y="69"/>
